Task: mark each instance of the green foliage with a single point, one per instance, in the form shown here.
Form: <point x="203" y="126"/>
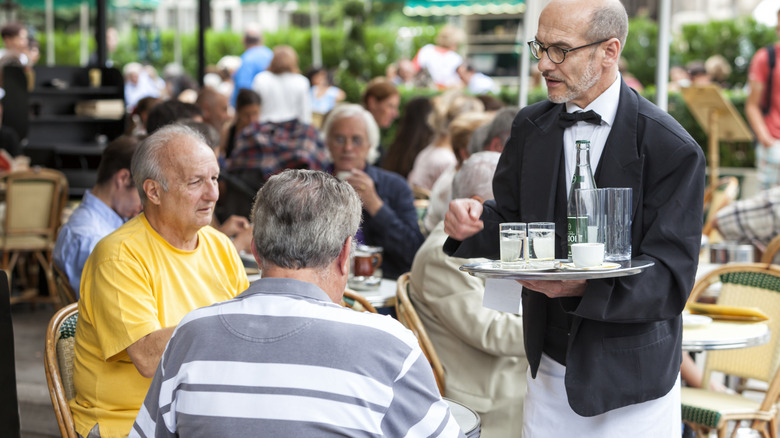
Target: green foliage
<point x="641" y="49"/>
<point x="736" y="40"/>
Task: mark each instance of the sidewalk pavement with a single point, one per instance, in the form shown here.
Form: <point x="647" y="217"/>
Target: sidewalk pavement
<point x="35" y="408"/>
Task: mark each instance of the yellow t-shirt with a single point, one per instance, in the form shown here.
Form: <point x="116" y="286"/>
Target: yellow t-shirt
<point x="134" y="283"/>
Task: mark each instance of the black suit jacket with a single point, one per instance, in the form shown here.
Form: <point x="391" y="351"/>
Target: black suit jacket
<point x="624" y="340"/>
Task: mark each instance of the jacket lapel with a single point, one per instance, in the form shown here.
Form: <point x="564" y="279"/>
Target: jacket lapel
<point x="620" y="164"/>
<point x="543" y="157"/>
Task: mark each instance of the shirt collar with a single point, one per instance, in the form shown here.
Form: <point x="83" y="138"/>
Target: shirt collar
<point x="287" y="286"/>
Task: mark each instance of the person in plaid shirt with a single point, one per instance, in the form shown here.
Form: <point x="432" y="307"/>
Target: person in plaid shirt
<point x="753" y="220"/>
<point x="265" y="149"/>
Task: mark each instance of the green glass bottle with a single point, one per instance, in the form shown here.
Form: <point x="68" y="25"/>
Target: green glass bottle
<point x="582" y="179"/>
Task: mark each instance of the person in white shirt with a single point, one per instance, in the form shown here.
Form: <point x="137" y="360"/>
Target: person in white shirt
<point x="283" y="90"/>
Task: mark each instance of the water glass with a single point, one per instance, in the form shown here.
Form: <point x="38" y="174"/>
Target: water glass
<point x="541" y="241"/>
<point x="591" y="215"/>
<point x="513" y="242"/>
<point x="617" y="242"/>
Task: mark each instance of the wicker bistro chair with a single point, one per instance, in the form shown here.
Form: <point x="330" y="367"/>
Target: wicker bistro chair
<point x="747" y="285"/>
<point x="66" y="293"/>
<point x="771" y="250"/>
<point x="358" y="302"/>
<point x="58" y="361"/>
<point x="715" y="198"/>
<point x="408" y="316"/>
<point x="35" y="200"/>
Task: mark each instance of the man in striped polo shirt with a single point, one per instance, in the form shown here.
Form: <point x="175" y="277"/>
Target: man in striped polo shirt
<point x="284" y="358"/>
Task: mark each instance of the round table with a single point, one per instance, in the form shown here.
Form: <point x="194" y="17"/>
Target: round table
<point x="724" y="335"/>
<point x="467" y="418"/>
<point x="383" y="296"/>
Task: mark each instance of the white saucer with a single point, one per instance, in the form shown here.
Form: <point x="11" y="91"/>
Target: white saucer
<point x="690" y="320"/>
<point x="602" y="267"/>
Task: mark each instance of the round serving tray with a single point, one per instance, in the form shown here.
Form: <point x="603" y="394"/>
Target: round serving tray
<point x="496" y="270"/>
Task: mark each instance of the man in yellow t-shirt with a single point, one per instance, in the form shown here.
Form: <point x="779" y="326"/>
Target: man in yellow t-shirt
<point x="143" y="278"/>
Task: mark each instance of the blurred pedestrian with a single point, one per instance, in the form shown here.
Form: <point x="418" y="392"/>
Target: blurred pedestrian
<point x="762" y="109"/>
<point x="255" y="59"/>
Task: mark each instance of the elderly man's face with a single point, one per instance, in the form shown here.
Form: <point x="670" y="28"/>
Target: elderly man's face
<point x="348" y="143"/>
<point x="572" y="80"/>
<point x="192" y="185"/>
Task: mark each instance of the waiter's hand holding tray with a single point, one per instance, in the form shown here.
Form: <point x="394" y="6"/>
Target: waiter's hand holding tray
<point x="727" y="313"/>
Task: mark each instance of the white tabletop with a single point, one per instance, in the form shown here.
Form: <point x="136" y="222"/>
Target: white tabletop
<point x="723" y="335"/>
<point x="382" y="296"/>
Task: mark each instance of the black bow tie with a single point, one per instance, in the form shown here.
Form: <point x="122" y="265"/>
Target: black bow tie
<point x="567" y="119"/>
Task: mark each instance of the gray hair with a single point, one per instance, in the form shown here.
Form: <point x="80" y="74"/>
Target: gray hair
<point x="609" y="21"/>
<point x="500" y="127"/>
<point x="347" y="110"/>
<point x="479" y="139"/>
<point x="149" y="157"/>
<point x="301" y="219"/>
<point x="475" y="176"/>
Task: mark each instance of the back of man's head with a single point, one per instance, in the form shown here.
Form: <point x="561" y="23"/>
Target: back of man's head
<point x="499" y="129"/>
<point x="171" y="111"/>
<point x="116" y="156"/>
<point x="253" y="36"/>
<point x="475" y="176"/>
<point x="301" y="219"/>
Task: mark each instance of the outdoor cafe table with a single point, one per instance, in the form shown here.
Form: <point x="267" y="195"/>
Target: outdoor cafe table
<point x="383" y="296"/>
<point x="724" y="335"/>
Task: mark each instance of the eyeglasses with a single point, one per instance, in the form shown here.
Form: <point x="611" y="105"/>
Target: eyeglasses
<point x="356" y="140"/>
<point x="555" y="53"/>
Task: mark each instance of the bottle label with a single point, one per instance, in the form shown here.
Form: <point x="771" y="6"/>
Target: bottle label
<point x="576" y="231"/>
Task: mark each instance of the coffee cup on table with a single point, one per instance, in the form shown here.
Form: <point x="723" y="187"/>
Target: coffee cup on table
<point x="365" y="268"/>
<point x="366" y="263"/>
<point x="587" y="255"/>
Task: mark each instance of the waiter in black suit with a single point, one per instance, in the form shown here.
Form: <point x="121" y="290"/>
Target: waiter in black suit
<point x="604" y="354"/>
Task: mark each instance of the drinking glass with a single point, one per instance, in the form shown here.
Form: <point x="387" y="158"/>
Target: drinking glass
<point x="617" y="241"/>
<point x="591" y="215"/>
<point x="541" y="241"/>
<point x="513" y="242"/>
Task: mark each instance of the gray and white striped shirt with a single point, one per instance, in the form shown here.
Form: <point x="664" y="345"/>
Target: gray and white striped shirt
<point x="282" y="360"/>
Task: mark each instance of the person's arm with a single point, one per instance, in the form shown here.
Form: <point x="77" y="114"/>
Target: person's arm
<point x="305" y="100"/>
<point x="394" y="225"/>
<point x="147" y="351"/>
<point x="754" y="115"/>
<point x="417" y="404"/>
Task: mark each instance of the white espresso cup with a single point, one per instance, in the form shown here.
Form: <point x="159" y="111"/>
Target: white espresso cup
<point x="587" y="255"/>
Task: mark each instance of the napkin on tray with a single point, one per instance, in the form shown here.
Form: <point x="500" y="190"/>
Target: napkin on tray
<point x="731" y="313"/>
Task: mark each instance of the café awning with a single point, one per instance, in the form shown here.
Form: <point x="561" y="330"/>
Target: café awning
<point x="62" y="4"/>
<point x="425" y="8"/>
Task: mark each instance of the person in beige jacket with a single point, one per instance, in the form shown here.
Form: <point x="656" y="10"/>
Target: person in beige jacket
<point x="481" y="349"/>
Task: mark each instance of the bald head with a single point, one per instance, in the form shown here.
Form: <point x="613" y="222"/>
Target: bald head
<point x="594" y="20"/>
<point x="585" y="38"/>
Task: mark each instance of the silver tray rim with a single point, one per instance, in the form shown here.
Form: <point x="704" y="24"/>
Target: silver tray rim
<point x="631" y="267"/>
